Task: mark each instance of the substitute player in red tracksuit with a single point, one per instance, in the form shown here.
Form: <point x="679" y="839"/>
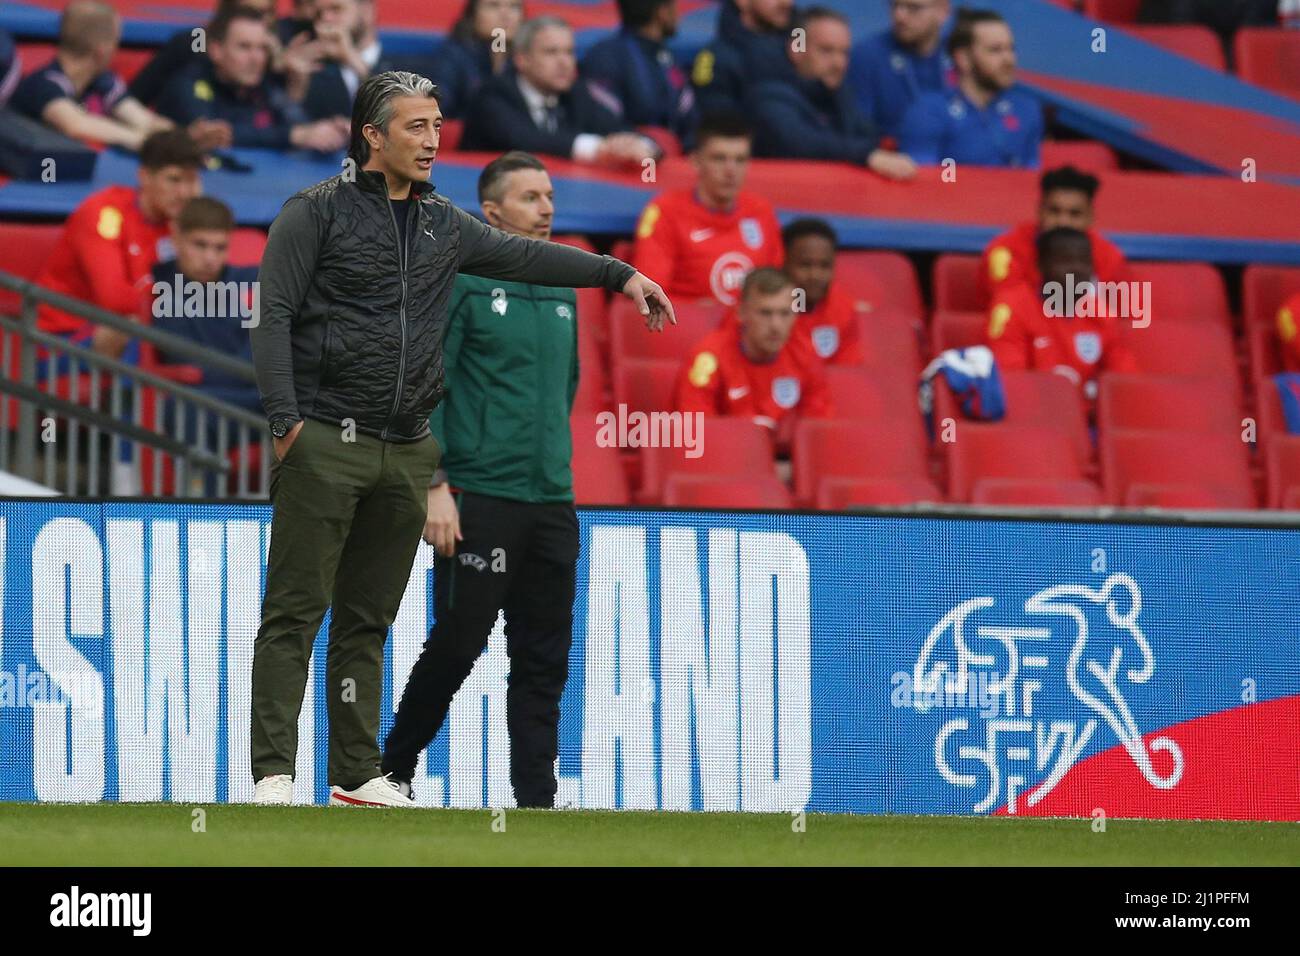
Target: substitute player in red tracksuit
<point x="1287" y="317"/>
<point x="1066" y="201"/>
<point x="757" y="369"/>
<point x="1024" y="333"/>
<point x="116" y="236"/>
<point x="705" y="239"/>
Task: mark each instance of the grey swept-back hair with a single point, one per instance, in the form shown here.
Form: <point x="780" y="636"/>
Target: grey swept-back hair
<point x="529" y="29"/>
<point x="374" y="105"/>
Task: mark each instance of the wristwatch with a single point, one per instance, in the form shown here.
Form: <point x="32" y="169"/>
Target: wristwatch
<point x="281" y="427"/>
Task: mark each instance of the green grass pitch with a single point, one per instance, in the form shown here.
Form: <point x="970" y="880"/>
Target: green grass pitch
<point x="242" y="835"/>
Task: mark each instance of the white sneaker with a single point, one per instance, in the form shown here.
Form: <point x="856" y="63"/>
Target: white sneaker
<point x="276" y="789"/>
<point x="375" y="792"/>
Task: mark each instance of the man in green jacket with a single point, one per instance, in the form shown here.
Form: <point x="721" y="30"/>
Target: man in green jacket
<point x="507" y="537"/>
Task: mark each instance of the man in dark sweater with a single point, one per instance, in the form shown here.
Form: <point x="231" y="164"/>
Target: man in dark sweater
<point x="355" y="283"/>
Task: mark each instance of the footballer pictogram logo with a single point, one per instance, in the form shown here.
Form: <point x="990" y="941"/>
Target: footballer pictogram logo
<point x="1060" y="671"/>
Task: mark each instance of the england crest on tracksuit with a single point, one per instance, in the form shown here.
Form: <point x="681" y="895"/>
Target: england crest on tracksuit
<point x="785" y="391"/>
<point x="1087" y="345"/>
<point x="752" y="232"/>
<point x="825" y="340"/>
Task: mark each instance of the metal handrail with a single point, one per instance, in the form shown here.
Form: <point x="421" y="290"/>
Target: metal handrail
<point x="169" y="342"/>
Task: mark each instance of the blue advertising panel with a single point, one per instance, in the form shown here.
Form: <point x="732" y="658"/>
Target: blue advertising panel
<point x="721" y="661"/>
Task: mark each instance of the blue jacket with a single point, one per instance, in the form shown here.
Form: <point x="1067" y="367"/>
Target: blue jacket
<point x="225" y="334"/>
<point x="645" y="79"/>
<point x="327" y="93"/>
<point x="803" y="119"/>
<point x="459" y="69"/>
<point x="1008" y="132"/>
<point x="887" y="78"/>
<point x="259" y="117"/>
<point x="722" y="70"/>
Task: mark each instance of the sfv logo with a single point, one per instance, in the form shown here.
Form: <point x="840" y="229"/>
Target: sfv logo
<point x="1014" y="664"/>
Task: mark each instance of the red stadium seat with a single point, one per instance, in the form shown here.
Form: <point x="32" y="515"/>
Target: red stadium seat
<point x="1044" y="399"/>
<point x="1021" y="452"/>
<point x="629" y="338"/>
<point x="646" y="385"/>
<point x="1085" y="154"/>
<point x="598" y="474"/>
<point x="1114" y="11"/>
<point x="575" y="240"/>
<point x="128" y="61"/>
<point x="1045" y="494"/>
<point x="1264" y="352"/>
<point x="247" y="246"/>
<point x="957" y="330"/>
<point x="956" y="283"/>
<point x="1184" y="348"/>
<point x="888" y="274"/>
<point x="1184" y="290"/>
<point x="1167" y="401"/>
<point x="1270" y="420"/>
<point x="26" y="248"/>
<point x="891" y="342"/>
<point x="1264" y="289"/>
<point x="1167" y="462"/>
<point x="877" y="451"/>
<point x="837" y="494"/>
<point x="855" y="394"/>
<point x="452" y="131"/>
<point x="732" y="447"/>
<point x="623" y="249"/>
<point x="708" y="491"/>
<point x="1191" y="40"/>
<point x="1283" y="471"/>
<point x="1269" y="58"/>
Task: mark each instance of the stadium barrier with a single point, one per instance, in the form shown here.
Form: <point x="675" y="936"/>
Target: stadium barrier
<point x="869" y="663"/>
<point x="104" y="426"/>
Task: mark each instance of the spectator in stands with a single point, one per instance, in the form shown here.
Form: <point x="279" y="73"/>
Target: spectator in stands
<point x="1287" y="317"/>
<point x="1065" y="199"/>
<point x="201" y="236"/>
<point x="542" y="107"/>
<point x="988" y="120"/>
<point x="889" y="70"/>
<point x="300" y="21"/>
<point x="477" y="50"/>
<point x="828" y="316"/>
<point x="231" y="87"/>
<point x="813" y="114"/>
<point x="757" y="369"/>
<point x="112" y="240"/>
<point x="11" y="66"/>
<point x="346" y="50"/>
<point x="1042" y="329"/>
<point x="704" y="240"/>
<point x="635" y="68"/>
<point x="77" y="94"/>
<point x="752" y="34"/>
<point x="179" y="51"/>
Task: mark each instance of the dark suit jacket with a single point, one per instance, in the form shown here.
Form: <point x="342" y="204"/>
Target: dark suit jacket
<point x="327" y="94"/>
<point x="499" y="119"/>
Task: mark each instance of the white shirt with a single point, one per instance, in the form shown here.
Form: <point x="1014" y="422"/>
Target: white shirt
<point x="370" y="57"/>
<point x="586" y="146"/>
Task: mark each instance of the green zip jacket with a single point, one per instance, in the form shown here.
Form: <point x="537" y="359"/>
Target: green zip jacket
<point x="511" y="361"/>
